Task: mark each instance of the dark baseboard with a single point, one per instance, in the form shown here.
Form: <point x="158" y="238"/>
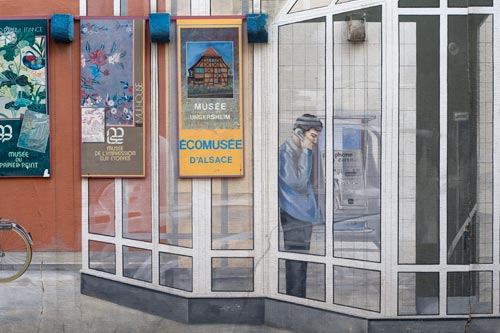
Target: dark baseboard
<point x="265" y="311"/>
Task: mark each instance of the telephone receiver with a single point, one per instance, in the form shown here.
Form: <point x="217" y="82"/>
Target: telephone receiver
<point x="299" y="132"/>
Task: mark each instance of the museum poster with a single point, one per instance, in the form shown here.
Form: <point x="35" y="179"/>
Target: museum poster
<point x="24" y="112"/>
<point x="112" y="97"/>
<point x="209" y="98"/>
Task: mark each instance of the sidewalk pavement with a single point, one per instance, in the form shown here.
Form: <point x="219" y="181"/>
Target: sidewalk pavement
<point x="48" y="300"/>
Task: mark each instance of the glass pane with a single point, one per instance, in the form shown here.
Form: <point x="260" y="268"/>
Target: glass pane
<point x="418" y="294"/>
<point x="181" y="7"/>
<point x="470" y="292"/>
<point x="232" y="274"/>
<point x="230" y="7"/>
<point x="418" y="3"/>
<point x="137" y="211"/>
<point x="175" y="200"/>
<point x="271" y="7"/>
<point x="176" y="271"/>
<point x="469" y="3"/>
<point x="101" y="206"/>
<point x="470" y="139"/>
<point x="357" y="103"/>
<point x="137" y="263"/>
<point x="102" y="257"/>
<point x="344" y="1"/>
<point x="301" y="162"/>
<point x="357" y="288"/>
<point x="419" y="140"/>
<point x="293" y="281"/>
<point x="232" y="214"/>
<point x="301" y="5"/>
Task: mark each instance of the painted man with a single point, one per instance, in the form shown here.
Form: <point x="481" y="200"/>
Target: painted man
<point x="299" y="208"/>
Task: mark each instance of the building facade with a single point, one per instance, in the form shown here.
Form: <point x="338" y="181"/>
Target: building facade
<point x="402" y="173"/>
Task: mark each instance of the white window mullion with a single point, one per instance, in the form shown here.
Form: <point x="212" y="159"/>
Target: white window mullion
<point x="390" y="156"/>
<point x="85" y="223"/>
<point x="118" y="196"/>
<point x="496" y="156"/>
<point x="270" y="125"/>
<point x="259" y="171"/>
<point x="329" y="158"/>
<point x="83" y="7"/>
<point x="202" y="210"/>
<point x="116" y="7"/>
<point x="155" y="229"/>
<point x="443" y="155"/>
<point x="119" y="225"/>
<point x="155" y="167"/>
<point x="85" y="191"/>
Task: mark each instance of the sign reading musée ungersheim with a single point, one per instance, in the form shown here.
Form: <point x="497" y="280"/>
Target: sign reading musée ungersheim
<point x="210" y="100"/>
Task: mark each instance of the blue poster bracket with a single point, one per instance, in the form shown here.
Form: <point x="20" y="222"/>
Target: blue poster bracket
<point x="256" y="28"/>
<point x="62" y="28"/>
<point x="159" y="27"/>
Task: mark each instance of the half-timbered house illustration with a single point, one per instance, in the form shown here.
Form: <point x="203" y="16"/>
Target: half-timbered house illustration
<point x="209" y="71"/>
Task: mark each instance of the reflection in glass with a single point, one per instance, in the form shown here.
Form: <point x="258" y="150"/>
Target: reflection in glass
<point x="181" y="7"/>
<point x="102" y="257"/>
<point x="137" y="215"/>
<point x="271" y="7"/>
<point x="137" y="263"/>
<point x="469" y="3"/>
<point x="313" y="284"/>
<point x="232" y="214"/>
<point x="357" y="288"/>
<point x="232" y="274"/>
<point x="175" y="199"/>
<point x="357" y="106"/>
<point x="230" y="7"/>
<point x="301" y="5"/>
<point x="176" y="271"/>
<point x="470" y="139"/>
<point x="101" y="206"/>
<point x="418" y="3"/>
<point x="418" y="294"/>
<point x="470" y="292"/>
<point x="301" y="161"/>
<point x="419" y="137"/>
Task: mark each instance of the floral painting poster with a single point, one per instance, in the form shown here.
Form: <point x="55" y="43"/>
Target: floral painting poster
<point x="111" y="96"/>
<point x="24" y="97"/>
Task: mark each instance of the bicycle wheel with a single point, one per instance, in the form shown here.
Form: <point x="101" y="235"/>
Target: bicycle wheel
<point x="15" y="254"/>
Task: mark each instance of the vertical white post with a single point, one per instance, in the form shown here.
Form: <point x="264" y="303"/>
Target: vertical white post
<point x="443" y="153"/>
<point x="154" y="157"/>
<point x="390" y="155"/>
<point x="496" y="154"/>
<point x="85" y="187"/>
<point x="202" y="194"/>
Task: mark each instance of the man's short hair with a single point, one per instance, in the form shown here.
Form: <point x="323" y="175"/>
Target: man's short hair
<point x="308" y="121"/>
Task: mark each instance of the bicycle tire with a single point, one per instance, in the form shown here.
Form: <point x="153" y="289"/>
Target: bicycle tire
<point x="15" y="254"/>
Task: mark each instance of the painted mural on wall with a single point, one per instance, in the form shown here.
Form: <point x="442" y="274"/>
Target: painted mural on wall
<point x="210" y="101"/>
<point x="24" y="115"/>
<point x="112" y="97"/>
<point x="300" y="205"/>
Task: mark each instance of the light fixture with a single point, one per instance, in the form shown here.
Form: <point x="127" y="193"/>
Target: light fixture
<point x="356" y="31"/>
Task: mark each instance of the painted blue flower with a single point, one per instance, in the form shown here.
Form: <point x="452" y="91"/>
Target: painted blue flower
<point x="95" y="71"/>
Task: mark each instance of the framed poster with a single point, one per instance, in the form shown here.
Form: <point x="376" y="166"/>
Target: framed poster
<point x="112" y="97"/>
<point x="24" y="114"/>
<point x="210" y="98"/>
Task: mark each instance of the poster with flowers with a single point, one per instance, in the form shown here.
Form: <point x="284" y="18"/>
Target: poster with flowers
<point x="24" y="150"/>
<point x="112" y="97"/>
